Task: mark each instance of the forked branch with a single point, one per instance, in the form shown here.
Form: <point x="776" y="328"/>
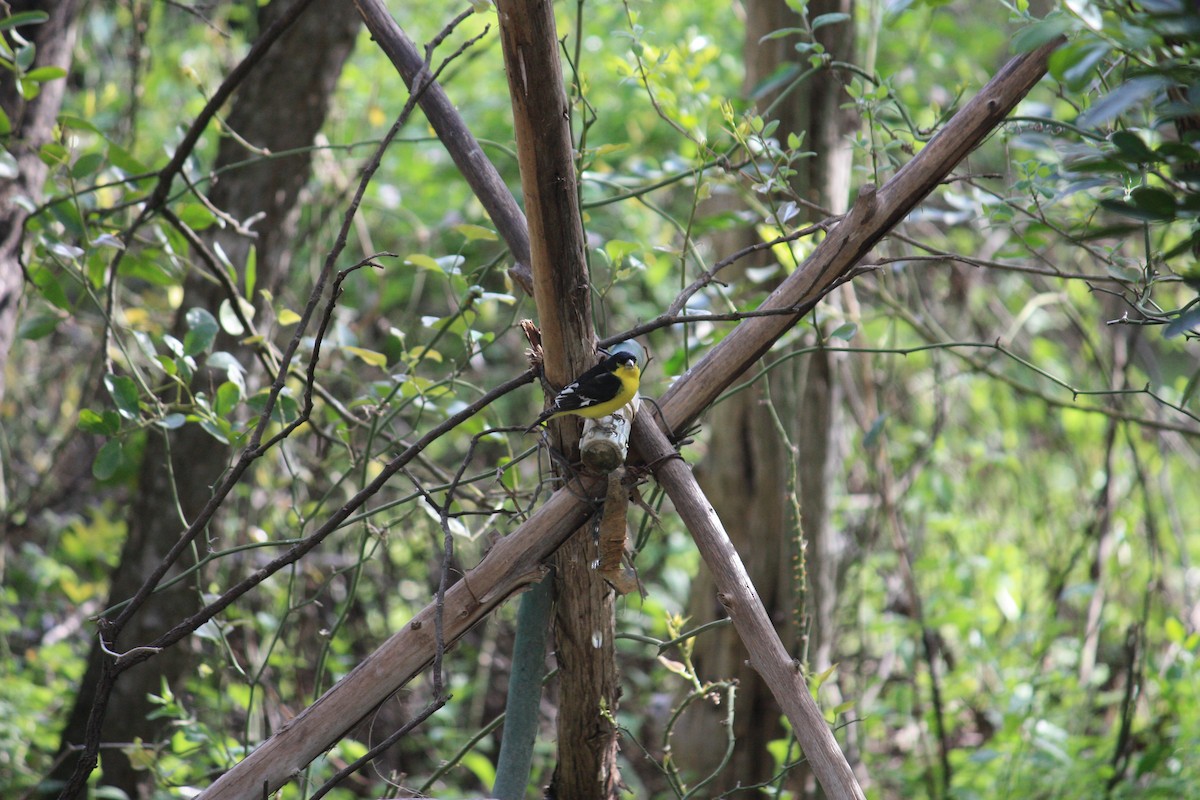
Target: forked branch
<point x="515" y="560"/>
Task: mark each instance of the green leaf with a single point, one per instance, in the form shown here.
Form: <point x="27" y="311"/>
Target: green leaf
<point x="185" y="368"/>
<point x="1174" y="630"/>
<point x="1055" y="24"/>
<point x="845" y="332"/>
<point x="480" y="766"/>
<point x="37" y="326"/>
<point x="234" y="373"/>
<point x="828" y="19"/>
<point x="107" y="423"/>
<point x="251" y="273"/>
<point x="108" y="240"/>
<point x="617" y="249"/>
<point x="65" y="251"/>
<point x="351" y="749"/>
<point x="1154" y="200"/>
<point x="202" y="330"/>
<point x="53" y="154"/>
<point x="1184" y="322"/>
<point x="871" y="438"/>
<point x="86" y="164"/>
<point x="23" y="18"/>
<point x="78" y="123"/>
<point x="123" y="160"/>
<point x="225" y="360"/>
<point x="197" y="216"/>
<point x="229" y="320"/>
<point x="25" y="55"/>
<point x="1124" y="272"/>
<point x="172" y="421"/>
<point x="1177" y="150"/>
<point x="1132" y="147"/>
<point x="1075" y="62"/>
<point x="370" y="356"/>
<point x="109" y="460"/>
<point x="147" y="266"/>
<point x="286" y="408"/>
<point x="287" y="317"/>
<point x="1120" y="99"/>
<point x="424" y="262"/>
<point x="1190" y="243"/>
<point x="842" y="708"/>
<point x="219" y="429"/>
<point x="65" y="212"/>
<point x="782" y="32"/>
<point x="97" y="270"/>
<point x="43" y="74"/>
<point x="228" y="395"/>
<point x="146" y="345"/>
<point x="9" y="169"/>
<point x="124" y="393"/>
<point x="1132" y="210"/>
<point x="476" y="232"/>
<point x="815" y="681"/>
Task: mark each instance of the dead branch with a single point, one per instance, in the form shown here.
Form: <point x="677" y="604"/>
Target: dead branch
<point x="463" y="148"/>
<point x="515" y="560"/>
<point x="874" y="213"/>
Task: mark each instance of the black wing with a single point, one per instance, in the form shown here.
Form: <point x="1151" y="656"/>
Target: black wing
<point x="594" y="386"/>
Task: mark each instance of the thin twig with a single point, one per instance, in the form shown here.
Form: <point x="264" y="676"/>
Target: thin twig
<point x="373" y="753"/>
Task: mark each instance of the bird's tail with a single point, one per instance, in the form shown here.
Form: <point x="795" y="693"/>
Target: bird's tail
<point x="545" y="415"/>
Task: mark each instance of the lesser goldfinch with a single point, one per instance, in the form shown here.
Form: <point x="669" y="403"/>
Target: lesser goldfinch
<point x="598" y="392"/>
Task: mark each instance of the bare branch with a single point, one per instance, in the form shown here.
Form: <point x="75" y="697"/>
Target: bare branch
<point x="736" y="592"/>
<point x="462" y="146"/>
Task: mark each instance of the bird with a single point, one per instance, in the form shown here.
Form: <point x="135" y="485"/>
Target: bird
<point x="598" y="392"/>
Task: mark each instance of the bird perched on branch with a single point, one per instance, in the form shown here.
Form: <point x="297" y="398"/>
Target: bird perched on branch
<point x="598" y="392"/>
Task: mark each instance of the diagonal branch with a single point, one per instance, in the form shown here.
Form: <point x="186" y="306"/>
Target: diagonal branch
<point x="463" y="148"/>
<point x="737" y="594"/>
<point x="513" y="563"/>
<point x="874" y="213"/>
<point x="515" y="560"/>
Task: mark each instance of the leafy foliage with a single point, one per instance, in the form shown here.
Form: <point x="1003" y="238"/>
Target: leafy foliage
<point x="1020" y="433"/>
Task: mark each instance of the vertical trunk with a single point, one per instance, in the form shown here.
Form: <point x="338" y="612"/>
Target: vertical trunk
<point x="588" y="680"/>
<point x="293" y="83"/>
<point x="751" y="474"/>
<point x="583" y="632"/>
<point x="32" y="124"/>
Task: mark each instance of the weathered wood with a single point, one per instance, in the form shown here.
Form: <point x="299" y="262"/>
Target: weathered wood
<point x="479" y="172"/>
<point x="584" y="603"/>
<point x="541" y="122"/>
<point x="736" y="592"/>
<point x="515" y="560"/>
<point x="770" y="471"/>
<point x="874" y="213"/>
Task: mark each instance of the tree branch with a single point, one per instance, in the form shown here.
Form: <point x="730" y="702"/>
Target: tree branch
<point x="462" y="146"/>
<point x="516" y="559"/>
<point x="737" y="594"/>
<point x="874" y="213"/>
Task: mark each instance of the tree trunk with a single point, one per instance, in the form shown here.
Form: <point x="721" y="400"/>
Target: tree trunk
<point x="293" y="83"/>
<point x="751" y="474"/>
<point x="583" y="630"/>
<point x="32" y="126"/>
